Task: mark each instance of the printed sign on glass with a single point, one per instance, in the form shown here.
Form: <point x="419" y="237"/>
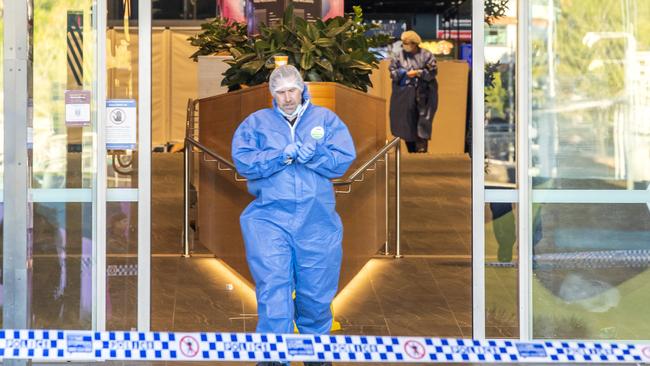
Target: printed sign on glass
<point x="77" y="108"/>
<point x="121" y="124"/>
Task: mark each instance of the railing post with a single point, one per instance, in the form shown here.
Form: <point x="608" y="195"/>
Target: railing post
<point x="187" y="151"/>
<point x="387" y="192"/>
<point x="398" y="231"/>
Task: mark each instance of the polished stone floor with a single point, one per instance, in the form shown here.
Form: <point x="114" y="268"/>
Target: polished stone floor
<point x="427" y="292"/>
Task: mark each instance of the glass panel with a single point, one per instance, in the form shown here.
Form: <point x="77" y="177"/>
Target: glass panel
<point x="500" y="112"/>
<point x="121" y="265"/>
<point x="61" y="157"/>
<point x="122" y="95"/>
<point x="2" y="101"/>
<point x="590" y="265"/>
<point x="63" y="67"/>
<point x="501" y="271"/>
<point x="590" y="94"/>
<point x="2" y="139"/>
<point x="62" y="266"/>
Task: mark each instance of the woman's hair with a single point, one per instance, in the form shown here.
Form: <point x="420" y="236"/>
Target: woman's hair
<point x="411" y="37"/>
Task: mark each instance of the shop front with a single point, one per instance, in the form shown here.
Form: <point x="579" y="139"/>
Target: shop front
<point x="560" y="167"/>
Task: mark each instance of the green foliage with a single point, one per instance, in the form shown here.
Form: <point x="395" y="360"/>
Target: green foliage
<point x="218" y="36"/>
<point x="495" y="9"/>
<point x="496" y="98"/>
<point x="575" y="71"/>
<point x="335" y="50"/>
<point x="490" y="69"/>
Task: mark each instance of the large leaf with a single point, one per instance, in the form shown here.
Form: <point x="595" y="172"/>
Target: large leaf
<point x="360" y="65"/>
<point x="279" y="36"/>
<point x="325" y="64"/>
<point x="320" y="24"/>
<point x="312" y="32"/>
<point x="338" y="30"/>
<point x="252" y="66"/>
<point x="307" y="61"/>
<point x="324" y="42"/>
<point x="288" y="17"/>
<point x="307" y="46"/>
<point x="245" y="58"/>
<point x="261" y="45"/>
<point x="301" y="25"/>
<point x="343" y="59"/>
<point x="235" y="38"/>
<point x="334" y="22"/>
<point x="313" y="75"/>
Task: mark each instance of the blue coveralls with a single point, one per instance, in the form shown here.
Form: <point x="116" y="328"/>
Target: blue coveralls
<point x="291" y="230"/>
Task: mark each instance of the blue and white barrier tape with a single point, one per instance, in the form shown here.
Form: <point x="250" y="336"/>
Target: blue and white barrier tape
<point x="56" y="345"/>
<point x="116" y="270"/>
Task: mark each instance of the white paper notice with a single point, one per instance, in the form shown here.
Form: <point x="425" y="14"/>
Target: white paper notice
<point x="121" y="124"/>
<point x="77" y="107"/>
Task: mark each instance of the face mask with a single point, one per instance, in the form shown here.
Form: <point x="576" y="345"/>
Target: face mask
<point x="293" y="114"/>
<point x="301" y="108"/>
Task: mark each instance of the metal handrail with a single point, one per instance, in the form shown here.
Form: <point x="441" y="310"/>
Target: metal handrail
<point x="337" y="182"/>
<point x="366" y="166"/>
<point x="357" y="176"/>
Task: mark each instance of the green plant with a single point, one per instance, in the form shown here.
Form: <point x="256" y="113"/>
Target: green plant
<point x="335" y="50"/>
<point x="218" y="37"/>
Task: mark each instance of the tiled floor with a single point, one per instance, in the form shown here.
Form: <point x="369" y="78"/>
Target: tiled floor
<point x="428" y="292"/>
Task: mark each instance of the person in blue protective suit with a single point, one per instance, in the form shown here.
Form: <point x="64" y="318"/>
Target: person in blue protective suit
<point x="291" y="230"/>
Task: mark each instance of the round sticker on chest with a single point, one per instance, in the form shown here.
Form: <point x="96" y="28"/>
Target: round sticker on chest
<point x="317" y="132"/>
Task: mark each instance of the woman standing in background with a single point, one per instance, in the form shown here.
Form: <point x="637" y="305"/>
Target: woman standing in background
<point x="414" y="97"/>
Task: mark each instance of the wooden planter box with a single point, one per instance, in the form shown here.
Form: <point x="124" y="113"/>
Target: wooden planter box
<point x="222" y="199"/>
<point x="211" y="69"/>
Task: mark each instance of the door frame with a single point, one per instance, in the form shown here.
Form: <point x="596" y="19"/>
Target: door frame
<point x="478" y="171"/>
<point x="17" y="194"/>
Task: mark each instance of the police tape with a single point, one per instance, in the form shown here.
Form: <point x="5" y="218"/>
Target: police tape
<point x="59" y="345"/>
<point x="117" y="270"/>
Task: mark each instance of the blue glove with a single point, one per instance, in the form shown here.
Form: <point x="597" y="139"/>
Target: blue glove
<point x="291" y="152"/>
<point x="306" y="152"/>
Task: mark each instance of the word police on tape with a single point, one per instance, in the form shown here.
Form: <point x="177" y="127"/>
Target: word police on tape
<point x="58" y="345"/>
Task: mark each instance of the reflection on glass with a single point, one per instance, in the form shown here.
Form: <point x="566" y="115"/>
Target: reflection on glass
<point x="121" y="265"/>
<point x="2" y="139"/>
<point x="2" y="211"/>
<point x="591" y="277"/>
<point x="590" y="94"/>
<point x="500" y="113"/>
<point x="501" y="273"/>
<point x="63" y="63"/>
<point x="62" y="266"/>
<point x="122" y="76"/>
<point x="2" y="104"/>
<point x="60" y="113"/>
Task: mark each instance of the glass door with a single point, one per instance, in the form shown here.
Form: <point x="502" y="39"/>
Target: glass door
<point x="127" y="163"/>
<point x="49" y="153"/>
<point x="81" y="113"/>
<point x="588" y="169"/>
<point x="495" y="158"/>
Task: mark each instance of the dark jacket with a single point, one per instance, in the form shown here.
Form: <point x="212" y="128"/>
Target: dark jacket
<point x="414" y="101"/>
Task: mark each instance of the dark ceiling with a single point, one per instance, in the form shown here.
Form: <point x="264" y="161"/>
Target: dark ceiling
<point x="409" y="6"/>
